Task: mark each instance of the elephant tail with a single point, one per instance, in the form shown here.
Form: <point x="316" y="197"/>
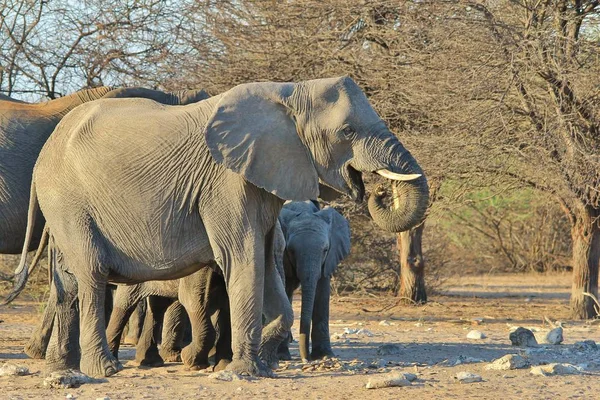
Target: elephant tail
<point x="22" y="272"/>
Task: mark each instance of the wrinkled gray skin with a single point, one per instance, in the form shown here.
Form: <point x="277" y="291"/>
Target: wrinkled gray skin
<point x="24" y="128"/>
<point x="208" y="186"/>
<point x="316" y="241"/>
<point x="202" y="294"/>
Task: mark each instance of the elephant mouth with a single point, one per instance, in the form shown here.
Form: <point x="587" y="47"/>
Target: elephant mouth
<point x="355" y="182"/>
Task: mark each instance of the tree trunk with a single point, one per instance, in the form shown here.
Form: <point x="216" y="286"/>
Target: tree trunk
<point x="586" y="257"/>
<point x="412" y="264"/>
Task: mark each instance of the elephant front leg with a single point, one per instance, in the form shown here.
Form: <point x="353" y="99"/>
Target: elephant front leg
<point x="245" y="285"/>
<point x="278" y="312"/>
<point x="321" y="344"/>
<point x="37" y="344"/>
<point x="283" y="352"/>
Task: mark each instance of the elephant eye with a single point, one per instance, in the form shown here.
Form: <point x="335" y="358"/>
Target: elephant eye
<point x="348" y="132"/>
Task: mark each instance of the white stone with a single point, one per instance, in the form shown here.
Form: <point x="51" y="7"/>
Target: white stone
<point x="556" y="369"/>
<point x="67" y="379"/>
<point x="388" y="380"/>
<point x="384" y="323"/>
<point x="509" y="361"/>
<point x="475" y="334"/>
<point x="555" y="336"/>
<point x="10" y="369"/>
<point x="468" y="377"/>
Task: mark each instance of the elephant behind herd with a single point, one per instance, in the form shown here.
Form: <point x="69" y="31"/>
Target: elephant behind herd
<point x="147" y="192"/>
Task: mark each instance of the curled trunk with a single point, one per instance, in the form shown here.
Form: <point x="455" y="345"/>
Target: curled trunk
<point x="412" y="198"/>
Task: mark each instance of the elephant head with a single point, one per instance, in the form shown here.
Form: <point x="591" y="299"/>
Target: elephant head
<point x="316" y="241"/>
<point x="298" y="140"/>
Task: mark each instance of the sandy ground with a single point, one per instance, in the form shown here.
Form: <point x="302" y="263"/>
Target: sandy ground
<point x="431" y="338"/>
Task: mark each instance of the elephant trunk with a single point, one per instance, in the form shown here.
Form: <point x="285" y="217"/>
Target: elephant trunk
<point x="308" y="302"/>
<point x="411" y="197"/>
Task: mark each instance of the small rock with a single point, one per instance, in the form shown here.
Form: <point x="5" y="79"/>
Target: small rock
<point x="68" y="379"/>
<point x="389" y="350"/>
<point x="227" y="376"/>
<point x="419" y="324"/>
<point x="365" y="332"/>
<point x="384" y="323"/>
<point x="10" y="369"/>
<point x="509" y="361"/>
<point x="556" y="369"/>
<point x="475" y="334"/>
<point x="468" y="377"/>
<point x="69" y="396"/>
<point x="555" y="336"/>
<point x="409" y="377"/>
<point x="103" y="398"/>
<point x="586" y="345"/>
<point x="522" y="337"/>
<point x="388" y="380"/>
<point x="462" y="359"/>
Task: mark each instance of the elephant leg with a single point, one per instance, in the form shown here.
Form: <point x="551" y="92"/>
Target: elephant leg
<point x="194" y="293"/>
<point x="63" y="346"/>
<point x="135" y="324"/>
<point x="277" y="310"/>
<point x="283" y="352"/>
<point x="220" y="300"/>
<point x="37" y="344"/>
<point x="125" y="300"/>
<point x="172" y="333"/>
<point x="321" y="344"/>
<point x="146" y="351"/>
<point x="96" y="359"/>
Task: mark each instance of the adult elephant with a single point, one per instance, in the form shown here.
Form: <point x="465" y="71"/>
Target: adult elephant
<point x="24" y="128"/>
<point x="148" y="192"/>
<point x="315" y="242"/>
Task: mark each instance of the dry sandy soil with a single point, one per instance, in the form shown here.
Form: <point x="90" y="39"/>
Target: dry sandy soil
<point x="432" y="338"/>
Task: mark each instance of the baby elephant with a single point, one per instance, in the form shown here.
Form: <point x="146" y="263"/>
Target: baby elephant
<point x="202" y="294"/>
<point x="316" y="241"/>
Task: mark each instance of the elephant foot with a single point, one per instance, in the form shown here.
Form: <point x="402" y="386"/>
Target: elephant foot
<point x="250" y="368"/>
<point x="170" y="356"/>
<point x="283" y="352"/>
<point x="319" y="352"/>
<point x="193" y="359"/>
<point x="99" y="367"/>
<point x="221" y="365"/>
<point x="151" y="360"/>
<point x="34" y="349"/>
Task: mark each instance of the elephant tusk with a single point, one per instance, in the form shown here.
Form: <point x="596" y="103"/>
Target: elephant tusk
<point x="397" y="177"/>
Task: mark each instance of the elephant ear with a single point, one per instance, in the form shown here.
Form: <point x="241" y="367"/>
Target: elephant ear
<point x="339" y="239"/>
<point x="253" y="133"/>
<point x="285" y="218"/>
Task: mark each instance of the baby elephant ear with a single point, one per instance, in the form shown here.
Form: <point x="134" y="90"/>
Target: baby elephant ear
<point x="253" y="133"/>
<point x="339" y="239"/>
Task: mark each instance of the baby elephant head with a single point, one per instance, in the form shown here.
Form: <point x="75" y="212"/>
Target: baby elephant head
<point x="316" y="242"/>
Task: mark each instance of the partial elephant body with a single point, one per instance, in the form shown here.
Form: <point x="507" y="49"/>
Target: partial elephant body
<point x="24" y="128"/>
<point x="202" y="294"/>
<point x="316" y="242"/>
<point x="149" y="192"/>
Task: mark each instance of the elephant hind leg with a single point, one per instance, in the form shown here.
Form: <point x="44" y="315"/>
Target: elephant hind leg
<point x="146" y="351"/>
<point x="172" y="332"/>
<point x="194" y="294"/>
<point x="38" y="343"/>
